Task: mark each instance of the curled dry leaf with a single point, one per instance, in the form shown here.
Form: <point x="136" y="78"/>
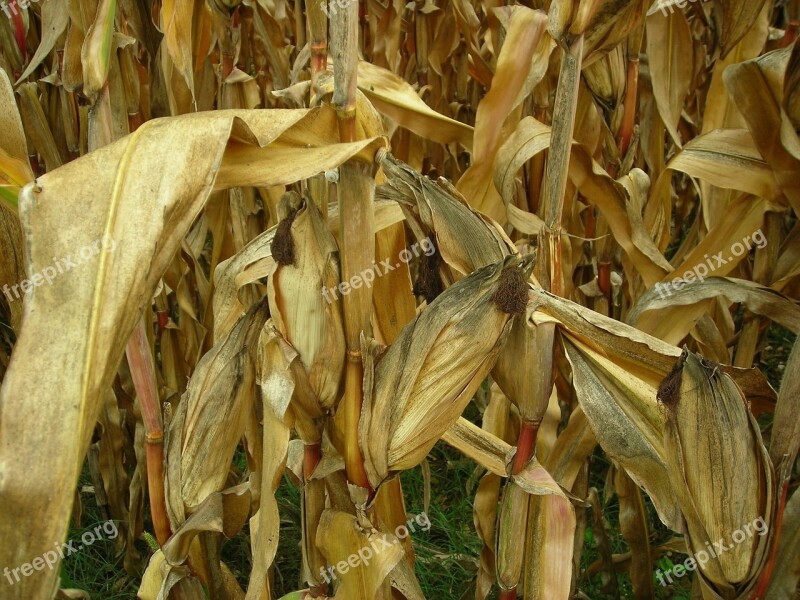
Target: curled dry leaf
<point x="391" y="95"/>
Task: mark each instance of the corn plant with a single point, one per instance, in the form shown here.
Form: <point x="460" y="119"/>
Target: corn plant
<point x="311" y="234"/>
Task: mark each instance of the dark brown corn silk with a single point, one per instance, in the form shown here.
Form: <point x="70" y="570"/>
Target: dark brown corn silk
<point x="512" y="292"/>
<point x="428" y="283"/>
<point x="283" y="244"/>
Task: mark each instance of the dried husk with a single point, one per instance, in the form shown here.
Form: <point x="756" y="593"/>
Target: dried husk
<point x="300" y="310"/>
<point x="718" y="467"/>
<point x="430" y="373"/>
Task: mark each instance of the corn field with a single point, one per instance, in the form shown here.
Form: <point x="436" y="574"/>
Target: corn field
<point x="258" y="245"/>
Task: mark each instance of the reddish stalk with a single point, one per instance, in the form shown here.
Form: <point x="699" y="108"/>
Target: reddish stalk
<point x="317" y="25"/>
<point x="144" y="380"/>
<point x="229" y="50"/>
<point x="526" y="446"/>
<point x="311" y="457"/>
<point x="790" y="34"/>
<point x="19" y="27"/>
<point x="766" y="575"/>
<point x="629" y="118"/>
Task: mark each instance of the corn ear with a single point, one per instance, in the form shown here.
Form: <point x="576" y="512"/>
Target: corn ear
<point x="457" y="338"/>
<point x="306" y="255"/>
<point x="223" y="384"/>
<point x="718" y="467"/>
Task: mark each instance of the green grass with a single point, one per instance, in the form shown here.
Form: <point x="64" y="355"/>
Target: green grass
<point x="447" y="554"/>
<point x="97" y="567"/>
<point x="598" y="586"/>
<point x="774" y="353"/>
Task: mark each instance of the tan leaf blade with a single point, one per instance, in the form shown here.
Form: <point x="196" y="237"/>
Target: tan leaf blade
<point x="759" y="299"/>
<point x="395" y="98"/>
<point x="669" y="50"/>
<point x="734" y="19"/>
<point x="341" y="537"/>
<point x="634" y="439"/>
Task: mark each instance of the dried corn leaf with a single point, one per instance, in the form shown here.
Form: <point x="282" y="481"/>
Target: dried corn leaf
<point x="550" y="536"/>
<point x="527" y="43"/>
<point x="55" y="18"/>
<point x="633" y="524"/>
<point x="223" y="513"/>
<point x="734" y="19"/>
<point x="757" y="89"/>
<point x="720" y="111"/>
<point x="669" y="47"/>
<point x="277" y="386"/>
<point x="758" y="299"/>
<point x="627" y="423"/>
<point x="341" y="537"/>
<point x="488" y="450"/>
<point x="395" y="98"/>
<point x="97" y="48"/>
<point x="176" y="25"/>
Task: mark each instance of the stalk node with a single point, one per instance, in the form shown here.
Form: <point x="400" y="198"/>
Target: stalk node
<point x="154" y="438"/>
